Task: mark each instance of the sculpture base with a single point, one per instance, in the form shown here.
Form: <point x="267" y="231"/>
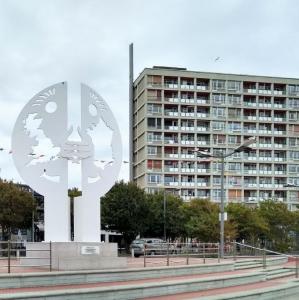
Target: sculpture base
<point x="74" y="256"/>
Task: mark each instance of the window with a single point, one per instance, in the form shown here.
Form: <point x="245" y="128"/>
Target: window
<point x="218" y="112"/>
<point x="234" y="99"/>
<point x="293" y="102"/>
<point x="216" y="180"/>
<point x="294" y="169"/>
<point x="294" y="115"/>
<point x="234" y="126"/>
<point x="217" y="125"/>
<point x="218" y="98"/>
<point x="216" y="193"/>
<point x="154" y="108"/>
<point x="151" y="150"/>
<point x="293" y="89"/>
<point x="233" y="85"/>
<point x="294" y="155"/>
<point x="218" y="85"/>
<point x="234" y="167"/>
<point x="152" y="136"/>
<point x="154" y="178"/>
<point x="153" y="122"/>
<point x="232" y="139"/>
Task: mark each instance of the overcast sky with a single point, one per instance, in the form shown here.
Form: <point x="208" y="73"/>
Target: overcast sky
<point x="45" y="42"/>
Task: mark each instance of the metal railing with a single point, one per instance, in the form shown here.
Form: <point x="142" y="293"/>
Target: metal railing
<point x="15" y="255"/>
<point x="240" y="250"/>
<point x="168" y="253"/>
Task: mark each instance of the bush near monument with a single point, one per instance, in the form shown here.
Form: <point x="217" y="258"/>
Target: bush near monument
<point x="16" y="207"/>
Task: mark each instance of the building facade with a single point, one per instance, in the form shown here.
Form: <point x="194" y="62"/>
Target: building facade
<point x="176" y="111"/>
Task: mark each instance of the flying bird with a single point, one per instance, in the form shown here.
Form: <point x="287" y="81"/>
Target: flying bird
<point x="217" y="58"/>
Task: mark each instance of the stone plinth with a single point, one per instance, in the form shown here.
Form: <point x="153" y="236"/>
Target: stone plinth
<point x="74" y="256"/>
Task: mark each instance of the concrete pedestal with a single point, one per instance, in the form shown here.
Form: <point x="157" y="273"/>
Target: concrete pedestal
<point x="74" y="256"/>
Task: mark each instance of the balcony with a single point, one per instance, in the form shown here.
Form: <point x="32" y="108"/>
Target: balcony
<point x="279" y="185"/>
<point x="250" y="91"/>
<point x="202" y="101"/>
<point x="187" y="86"/>
<point x="188" y="170"/>
<point x="265" y="105"/>
<point x="266" y="185"/>
<point x="251" y="118"/>
<point x="202" y="183"/>
<point x="171" y="169"/>
<point x="203" y="171"/>
<point x="171" y="127"/>
<point x="265" y="158"/>
<point x="265" y="172"/>
<point x="172" y="100"/>
<point x="201" y="128"/>
<point x="279" y="146"/>
<point x="203" y="143"/>
<point x="188" y="114"/>
<point x="170" y="141"/>
<point x="187" y="183"/>
<point x="249" y="130"/>
<point x="187" y="128"/>
<point x="187" y="100"/>
<point x="263" y="131"/>
<point x="279" y="92"/>
<point x="170" y="85"/>
<point x="202" y="115"/>
<point x="187" y="142"/>
<point x="188" y="198"/>
<point x="250" y="184"/>
<point x="202" y="87"/>
<point x="279" y="132"/>
<point x="265" y="145"/>
<point x="250" y="171"/>
<point x="184" y="155"/>
<point x="265" y="118"/>
<point x="171" y="155"/>
<point x="171" y="113"/>
<point x="280" y="172"/>
<point x="265" y="92"/>
<point x="172" y="183"/>
<point x="280" y="159"/>
<point x="279" y="105"/>
<point x="250" y="157"/>
<point x="279" y="119"/>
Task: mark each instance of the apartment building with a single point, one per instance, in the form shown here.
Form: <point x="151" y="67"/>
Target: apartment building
<point x="176" y="111"/>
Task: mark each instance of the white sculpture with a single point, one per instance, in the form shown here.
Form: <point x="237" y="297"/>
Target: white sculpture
<point x="50" y="177"/>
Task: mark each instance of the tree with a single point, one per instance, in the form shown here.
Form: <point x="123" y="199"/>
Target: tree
<point x="173" y="216"/>
<point x="125" y="210"/>
<point x="250" y="225"/>
<point x="202" y="220"/>
<point x="281" y="223"/>
<point x="16" y="207"/>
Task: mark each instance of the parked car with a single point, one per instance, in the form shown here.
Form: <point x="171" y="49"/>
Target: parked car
<point x="153" y="246"/>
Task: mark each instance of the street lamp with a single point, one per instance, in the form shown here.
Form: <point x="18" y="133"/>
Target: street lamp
<point x="222" y="156"/>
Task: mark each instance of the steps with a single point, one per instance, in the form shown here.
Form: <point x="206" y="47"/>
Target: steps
<point x="164" y="281"/>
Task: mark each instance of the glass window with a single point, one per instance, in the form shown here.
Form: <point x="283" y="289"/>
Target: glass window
<point x="218" y="85"/>
<point x="234" y="126"/>
<point x="218" y="111"/>
<point x="151" y="150"/>
<point x="154" y="178"/>
<point x="294" y="155"/>
<point x="218" y="125"/>
<point x="233" y="85"/>
<point x="217" y="180"/>
<point x="293" y="89"/>
<point x="218" y="98"/>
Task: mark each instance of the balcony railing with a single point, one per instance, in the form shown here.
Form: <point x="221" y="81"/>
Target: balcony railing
<point x="187" y="142"/>
<point x="187" y="100"/>
<point x="200" y="128"/>
<point x="202" y="87"/>
<point x="187" y="114"/>
<point x="171" y="169"/>
<point x="171" y="100"/>
<point x="183" y="155"/>
<point x="187" y="128"/>
<point x="187" y="183"/>
<point x="188" y="169"/>
<point x="171" y="155"/>
<point x="171" y="127"/>
<point x="187" y="86"/>
<point x="202" y="101"/>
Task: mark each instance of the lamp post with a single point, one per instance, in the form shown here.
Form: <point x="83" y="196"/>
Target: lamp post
<point x="222" y="156"/>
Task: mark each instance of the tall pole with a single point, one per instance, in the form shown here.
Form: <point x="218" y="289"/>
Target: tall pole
<point x="222" y="208"/>
<point x="164" y="214"/>
<point x="131" y="110"/>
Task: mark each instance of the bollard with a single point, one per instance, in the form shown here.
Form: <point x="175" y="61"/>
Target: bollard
<point x="187" y="257"/>
<point x="144" y="256"/>
<point x="218" y="253"/>
<point x="167" y="261"/>
<point x="297" y="266"/>
<point x="50" y="254"/>
<point x="132" y="252"/>
<point x="8" y="256"/>
<point x="264" y="259"/>
<point x="204" y="253"/>
<point x="234" y="251"/>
